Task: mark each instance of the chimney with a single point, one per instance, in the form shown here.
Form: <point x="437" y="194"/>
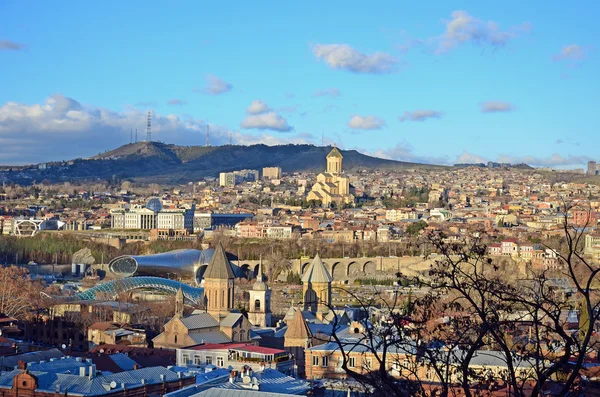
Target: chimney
<point x="136" y="366"/>
<point x="21" y="365"/>
<point x="82" y="371"/>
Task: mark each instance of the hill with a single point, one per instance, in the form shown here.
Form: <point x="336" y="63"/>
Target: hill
<point x="165" y="163"/>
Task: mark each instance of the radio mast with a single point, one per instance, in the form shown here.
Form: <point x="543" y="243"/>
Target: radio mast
<point x="149" y="127"/>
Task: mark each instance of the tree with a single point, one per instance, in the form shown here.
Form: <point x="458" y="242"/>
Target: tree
<point x="415" y="228"/>
<point x="17" y="292"/>
<point x="471" y="308"/>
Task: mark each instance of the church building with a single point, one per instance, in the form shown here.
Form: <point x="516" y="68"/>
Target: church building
<point x="332" y="186"/>
<point x="218" y="323"/>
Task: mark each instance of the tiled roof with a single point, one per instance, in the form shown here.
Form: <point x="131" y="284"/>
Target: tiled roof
<point x="219" y="266"/>
<point x="219" y="346"/>
<point x="298" y="328"/>
<point x="317" y="272"/>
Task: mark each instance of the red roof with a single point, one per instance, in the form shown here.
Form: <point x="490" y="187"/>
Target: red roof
<point x="219" y="346"/>
<point x="260" y="349"/>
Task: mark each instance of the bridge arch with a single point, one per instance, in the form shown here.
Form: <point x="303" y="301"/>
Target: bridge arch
<point x="353" y="268"/>
<point x="337" y="270"/>
<point x="370" y="267"/>
<point x="303" y="268"/>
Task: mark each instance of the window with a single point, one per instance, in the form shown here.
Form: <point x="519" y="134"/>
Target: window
<point x="368" y="363"/>
<point x="175" y="339"/>
<point x="219" y="361"/>
<point x="257" y="305"/>
<point x="351" y="362"/>
<point x="197" y="360"/>
<point x="186" y="358"/>
<point x="315" y="360"/>
<point x="208" y="360"/>
<point x="325" y="361"/>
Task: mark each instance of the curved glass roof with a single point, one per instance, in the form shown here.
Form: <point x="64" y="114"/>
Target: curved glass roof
<point x="185" y="263"/>
<point x="113" y="288"/>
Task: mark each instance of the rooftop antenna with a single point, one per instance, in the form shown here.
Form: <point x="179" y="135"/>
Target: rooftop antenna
<point x="149" y="127"/>
<point x="207" y="141"/>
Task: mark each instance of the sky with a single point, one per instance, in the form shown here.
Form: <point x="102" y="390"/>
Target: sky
<point x="434" y="82"/>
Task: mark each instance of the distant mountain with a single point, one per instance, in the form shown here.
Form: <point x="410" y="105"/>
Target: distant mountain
<point x="164" y="163"/>
<point x="491" y="164"/>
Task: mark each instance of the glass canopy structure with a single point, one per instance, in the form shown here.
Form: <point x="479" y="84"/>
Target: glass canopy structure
<point x="184" y="263"/>
<point x="113" y="288"/>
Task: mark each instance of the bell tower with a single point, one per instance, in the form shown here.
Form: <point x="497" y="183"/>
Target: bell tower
<point x="218" y="284"/>
<point x="179" y="301"/>
<point x="260" y="301"/>
<point x="334" y="161"/>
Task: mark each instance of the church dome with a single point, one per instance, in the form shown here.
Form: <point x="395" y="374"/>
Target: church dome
<point x="260" y="285"/>
<point x="154" y="204"/>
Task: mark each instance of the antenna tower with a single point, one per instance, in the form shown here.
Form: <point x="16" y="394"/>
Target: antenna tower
<point x="136" y="135"/>
<point x="207" y="141"/>
<point x="149" y="127"/>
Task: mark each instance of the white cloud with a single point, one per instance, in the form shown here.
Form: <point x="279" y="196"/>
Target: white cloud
<point x="571" y="52"/>
<point x="61" y="128"/>
<point x="496" y="106"/>
<point x="215" y="86"/>
<point x="343" y="56"/>
<point x="10" y="45"/>
<point x="420" y="115"/>
<point x="176" y="102"/>
<point x="333" y="92"/>
<point x="464" y="28"/>
<point x="266" y="121"/>
<point x="405" y="152"/>
<point x="469" y="158"/>
<point x="365" y="123"/>
<point x="257" y="107"/>
<point x="555" y="160"/>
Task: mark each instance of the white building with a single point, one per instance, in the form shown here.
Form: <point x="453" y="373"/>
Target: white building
<point x="279" y="232"/>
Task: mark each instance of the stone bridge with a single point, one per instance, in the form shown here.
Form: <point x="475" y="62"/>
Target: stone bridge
<point x="346" y="268"/>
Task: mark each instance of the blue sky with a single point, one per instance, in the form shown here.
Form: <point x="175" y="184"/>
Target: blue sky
<point x="430" y="81"/>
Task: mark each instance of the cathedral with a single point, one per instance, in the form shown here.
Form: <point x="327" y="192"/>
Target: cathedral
<point x="332" y="186"/>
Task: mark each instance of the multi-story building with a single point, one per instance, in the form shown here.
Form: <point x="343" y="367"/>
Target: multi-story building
<point x="236" y="177"/>
<point x="592" y="168"/>
<point x="251" y="230"/>
<point x="592" y="244"/>
<point x="153" y="216"/>
<point x="236" y="355"/>
<point x="210" y="221"/>
<point x="400" y="214"/>
<point x="272" y="172"/>
<point x="279" y="232"/>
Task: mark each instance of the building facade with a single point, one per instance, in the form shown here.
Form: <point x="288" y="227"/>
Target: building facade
<point x="272" y="172"/>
